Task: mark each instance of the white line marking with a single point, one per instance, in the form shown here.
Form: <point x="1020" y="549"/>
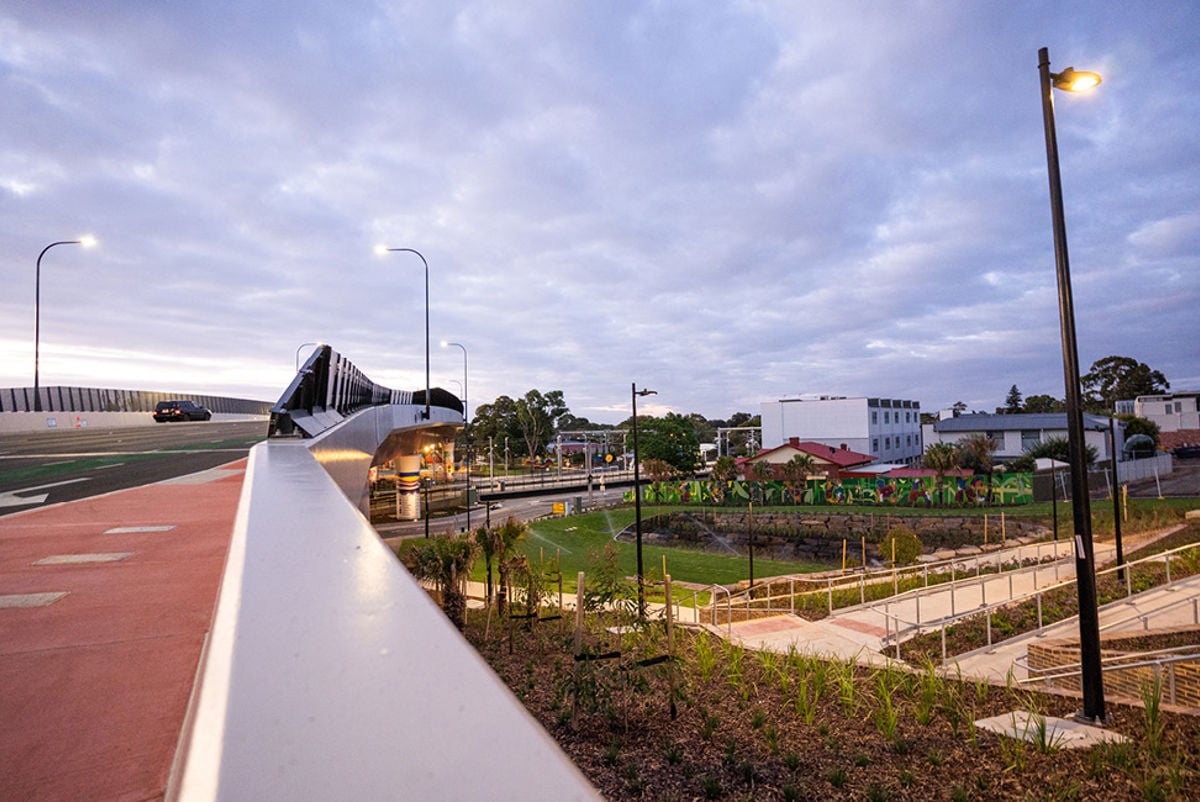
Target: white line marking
<point x="31" y="599"/>
<point x="12" y="499"/>
<point x="70" y="559"/>
<point x="129" y="530"/>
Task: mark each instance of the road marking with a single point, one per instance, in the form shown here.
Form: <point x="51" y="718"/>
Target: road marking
<point x="31" y="599"/>
<point x="12" y="499"/>
<point x="129" y="530"/>
<point x="71" y="559"/>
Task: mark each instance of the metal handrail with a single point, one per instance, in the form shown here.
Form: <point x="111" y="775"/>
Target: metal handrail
<point x="1111" y="664"/>
<point x="895" y="634"/>
<point x="860" y="578"/>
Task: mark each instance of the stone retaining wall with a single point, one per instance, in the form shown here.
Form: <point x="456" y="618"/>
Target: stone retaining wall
<point x="1119" y="682"/>
<point x="817" y="537"/>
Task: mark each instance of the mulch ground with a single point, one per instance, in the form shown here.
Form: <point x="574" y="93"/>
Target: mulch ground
<point x="752" y="728"/>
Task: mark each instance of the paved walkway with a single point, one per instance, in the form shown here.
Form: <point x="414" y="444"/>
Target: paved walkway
<point x="105" y="604"/>
<point x="861" y="632"/>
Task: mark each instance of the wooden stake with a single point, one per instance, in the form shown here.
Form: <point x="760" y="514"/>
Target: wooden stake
<point x="843" y="555"/>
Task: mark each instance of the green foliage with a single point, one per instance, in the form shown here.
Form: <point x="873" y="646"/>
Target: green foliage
<point x="1058" y="448"/>
<point x="671" y="439"/>
<point x="1116" y="378"/>
<point x="908" y="546"/>
<point x="446" y="561"/>
<point x="1135" y="425"/>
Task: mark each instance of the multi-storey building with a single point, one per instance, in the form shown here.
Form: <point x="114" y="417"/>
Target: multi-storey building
<point x="887" y="429"/>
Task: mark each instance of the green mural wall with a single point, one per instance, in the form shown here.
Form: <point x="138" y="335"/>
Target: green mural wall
<point x="922" y="491"/>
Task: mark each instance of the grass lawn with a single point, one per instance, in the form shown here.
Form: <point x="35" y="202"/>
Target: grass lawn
<point x="574" y="539"/>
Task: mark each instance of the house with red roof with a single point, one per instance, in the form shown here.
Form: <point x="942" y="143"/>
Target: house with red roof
<point x="829" y="462"/>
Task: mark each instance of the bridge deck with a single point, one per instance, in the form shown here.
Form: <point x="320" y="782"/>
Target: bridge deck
<point x="96" y="681"/>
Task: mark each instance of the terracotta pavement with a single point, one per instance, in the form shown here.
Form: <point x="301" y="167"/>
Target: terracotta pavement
<point x="95" y="682"/>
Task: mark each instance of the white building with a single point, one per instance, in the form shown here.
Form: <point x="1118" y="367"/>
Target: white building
<point x="1015" y="434"/>
<point x="1172" y="412"/>
<point x="887" y="429"/>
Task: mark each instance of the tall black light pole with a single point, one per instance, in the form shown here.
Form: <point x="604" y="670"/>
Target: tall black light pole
<point x="466" y="425"/>
<point x="381" y="249"/>
<point x="637" y="499"/>
<point x="1112" y="465"/>
<point x="86" y="242"/>
<point x="1085" y="566"/>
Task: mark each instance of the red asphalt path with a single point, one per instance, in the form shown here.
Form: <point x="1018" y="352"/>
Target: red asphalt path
<point x="94" y="687"/>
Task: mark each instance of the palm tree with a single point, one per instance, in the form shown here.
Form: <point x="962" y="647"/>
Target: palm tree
<point x="797" y="470"/>
<point x="941" y="457"/>
<point x="446" y="561"/>
<point x="976" y="453"/>
<point x="724" y="471"/>
<point x="659" y="471"/>
<point x="508" y="535"/>
<point x="762" y="472"/>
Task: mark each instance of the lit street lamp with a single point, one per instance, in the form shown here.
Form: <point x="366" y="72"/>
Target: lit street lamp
<point x="1085" y="569"/>
<point x="86" y="242"/>
<point x="637" y="500"/>
<point x="382" y="249"/>
<point x="466" y="425"/>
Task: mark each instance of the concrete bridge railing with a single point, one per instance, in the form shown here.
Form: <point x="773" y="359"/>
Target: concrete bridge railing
<point x="328" y="673"/>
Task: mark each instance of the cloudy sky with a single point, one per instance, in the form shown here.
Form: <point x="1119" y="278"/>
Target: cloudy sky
<point x="727" y="202"/>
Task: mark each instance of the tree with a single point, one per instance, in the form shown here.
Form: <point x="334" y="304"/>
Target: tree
<point x="1119" y="378"/>
<point x="1044" y="403"/>
<point x="796" y="470"/>
<point x="446" y="561"/>
<point x="940" y="458"/>
<point x="659" y="471"/>
<point x="671" y="439"/>
<point x="724" y="469"/>
<point x="1012" y="403"/>
<point x="975" y="452"/>
<point x="1135" y="425"/>
<point x="1058" y="448"/>
<point x="507" y="536"/>
<point x="536" y="414"/>
<point x="496" y="421"/>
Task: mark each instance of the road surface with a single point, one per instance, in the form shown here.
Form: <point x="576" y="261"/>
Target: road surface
<point x="49" y="467"/>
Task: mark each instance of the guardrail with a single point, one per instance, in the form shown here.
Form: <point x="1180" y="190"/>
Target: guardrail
<point x="761" y="600"/>
<point x="328" y="672"/>
<point x="898" y="629"/>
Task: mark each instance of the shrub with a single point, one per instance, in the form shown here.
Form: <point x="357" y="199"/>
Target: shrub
<point x="908" y="545"/>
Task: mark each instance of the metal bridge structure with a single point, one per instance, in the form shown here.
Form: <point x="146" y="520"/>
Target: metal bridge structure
<point x="328" y="672"/>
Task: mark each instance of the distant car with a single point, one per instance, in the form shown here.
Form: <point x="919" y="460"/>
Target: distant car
<point x="167" y="411"/>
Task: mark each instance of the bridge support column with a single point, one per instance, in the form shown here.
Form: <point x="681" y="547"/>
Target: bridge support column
<point x="408" y="487"/>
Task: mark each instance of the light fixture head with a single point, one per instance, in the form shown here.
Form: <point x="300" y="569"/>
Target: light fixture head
<point x="88" y="241"/>
<point x="381" y="249"/>
<point x="1073" y="80"/>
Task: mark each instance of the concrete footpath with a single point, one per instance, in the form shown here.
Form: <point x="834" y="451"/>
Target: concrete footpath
<point x="105" y="604"/>
<point x="862" y="632"/>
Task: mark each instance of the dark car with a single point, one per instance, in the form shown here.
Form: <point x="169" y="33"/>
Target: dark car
<point x="167" y="411"/>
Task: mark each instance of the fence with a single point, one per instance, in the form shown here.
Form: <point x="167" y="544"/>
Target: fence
<point x="95" y="399"/>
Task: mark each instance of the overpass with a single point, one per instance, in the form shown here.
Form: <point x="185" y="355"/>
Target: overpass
<point x="329" y="673"/>
<point x="325" y="671"/>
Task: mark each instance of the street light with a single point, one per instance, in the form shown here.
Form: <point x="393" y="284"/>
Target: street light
<point x="1085" y="571"/>
<point x="86" y="242"/>
<point x="637" y="500"/>
<point x="382" y="249"/>
<point x="466" y="425"/>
